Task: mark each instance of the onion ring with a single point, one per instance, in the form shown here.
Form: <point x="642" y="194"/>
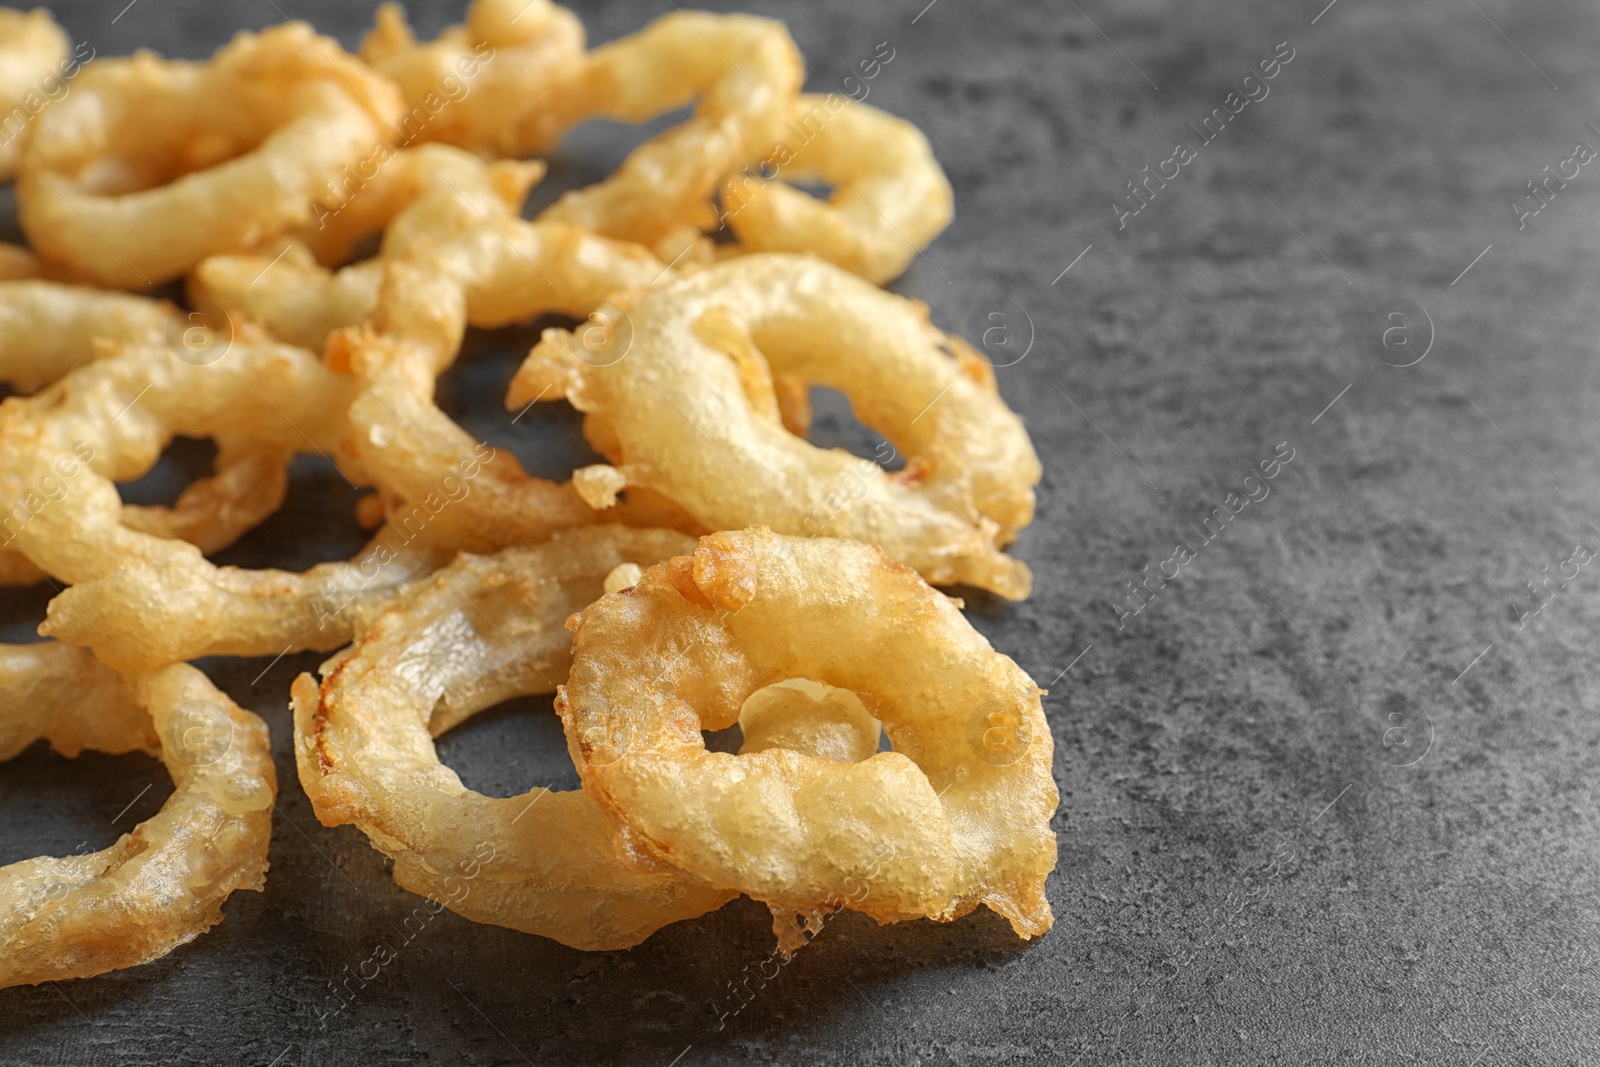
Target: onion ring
<point x="890" y="198"/>
<point x="961" y="808"/>
<point x="475" y="633"/>
<point x="150" y="165"/>
<point x="689" y="414"/>
<point x="459" y="253"/>
<point x="745" y="72"/>
<point x="32" y="49"/>
<point x="298" y="300"/>
<point x="164" y="884"/>
<point x="150" y="600"/>
<point x="517" y="59"/>
<point x="48" y="329"/>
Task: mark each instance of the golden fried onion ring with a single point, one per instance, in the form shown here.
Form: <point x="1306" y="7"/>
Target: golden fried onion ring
<point x="149" y="165"/>
<point x="163" y="884"/>
<point x="744" y="71"/>
<point x="956" y="816"/>
<point x="146" y="600"/>
<point x="431" y="201"/>
<point x="48" y="329"/>
<point x="514" y="59"/>
<point x="457" y="254"/>
<point x="689" y="413"/>
<point x="890" y="198"/>
<point x="482" y="630"/>
<point x="33" y="49"/>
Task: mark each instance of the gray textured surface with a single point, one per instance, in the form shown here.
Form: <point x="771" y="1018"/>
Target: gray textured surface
<point x="1244" y="877"/>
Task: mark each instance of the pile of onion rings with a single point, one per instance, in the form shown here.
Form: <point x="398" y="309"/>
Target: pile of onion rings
<point x="335" y="223"/>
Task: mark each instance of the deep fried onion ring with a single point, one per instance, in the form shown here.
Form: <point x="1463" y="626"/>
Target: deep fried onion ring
<point x="482" y="630"/>
<point x="956" y="816"/>
<point x="147" y="600"/>
<point x="890" y="198"/>
<point x="689" y="413"/>
<point x="744" y="71"/>
<point x="163" y="884"/>
<point x="459" y="253"/>
<point x="48" y="329"/>
<point x="516" y="59"/>
<point x="150" y="164"/>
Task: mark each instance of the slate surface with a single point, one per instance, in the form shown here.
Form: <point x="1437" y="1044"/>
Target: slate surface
<point x="1248" y="873"/>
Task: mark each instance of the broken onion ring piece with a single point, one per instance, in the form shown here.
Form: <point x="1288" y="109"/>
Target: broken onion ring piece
<point x="956" y="816"/>
<point x="744" y="73"/>
<point x="163" y="884"/>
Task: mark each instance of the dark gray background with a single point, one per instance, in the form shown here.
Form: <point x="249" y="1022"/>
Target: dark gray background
<point x="1245" y="877"/>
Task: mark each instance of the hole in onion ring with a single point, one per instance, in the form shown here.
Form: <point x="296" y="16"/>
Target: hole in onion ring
<point x="510" y="749"/>
<point x="185" y="460"/>
<point x="318" y="517"/>
<point x="23" y="606"/>
<point x="730" y="740"/>
<point x="592" y="152"/>
<point x="834" y="425"/>
<point x="546" y="439"/>
<point x="54" y="806"/>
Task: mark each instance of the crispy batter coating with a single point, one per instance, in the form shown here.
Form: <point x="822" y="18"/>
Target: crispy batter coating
<point x="163" y="884"/>
<point x="890" y="197"/>
<point x="956" y="816"/>
<point x="533" y="81"/>
<point x="689" y="413"/>
<point x="482" y="630"/>
<point x="149" y="165"/>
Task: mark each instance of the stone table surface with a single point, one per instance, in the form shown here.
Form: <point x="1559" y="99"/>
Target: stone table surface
<point x="1327" y="797"/>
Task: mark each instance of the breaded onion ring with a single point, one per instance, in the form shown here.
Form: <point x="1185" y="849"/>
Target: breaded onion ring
<point x="689" y="414"/>
<point x="48" y="329"/>
<point x="149" y="165"/>
<point x="164" y="884"/>
<point x="513" y="63"/>
<point x="145" y="600"/>
<point x="956" y="816"/>
<point x="890" y="198"/>
<point x="480" y="631"/>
